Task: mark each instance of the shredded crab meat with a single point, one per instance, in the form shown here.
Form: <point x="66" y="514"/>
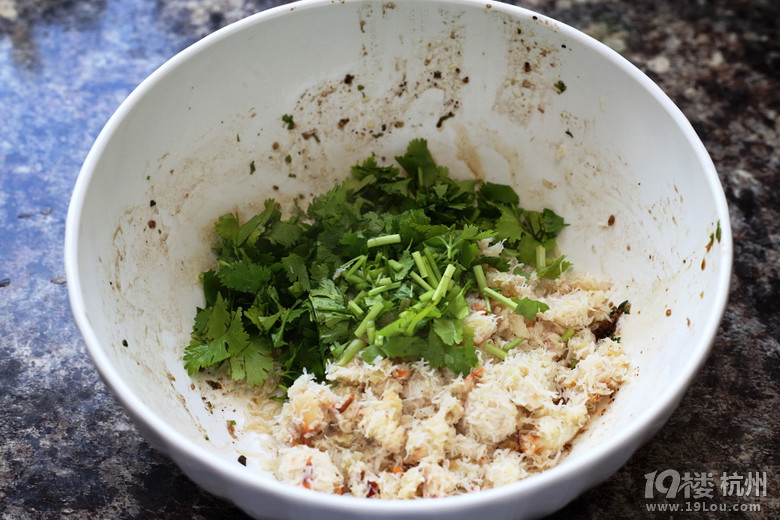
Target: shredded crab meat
<point x="404" y="430"/>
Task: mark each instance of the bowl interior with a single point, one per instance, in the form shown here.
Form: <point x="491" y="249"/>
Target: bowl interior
<point x="485" y="85"/>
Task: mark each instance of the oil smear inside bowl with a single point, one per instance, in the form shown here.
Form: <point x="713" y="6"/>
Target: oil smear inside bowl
<point x="407" y="335"/>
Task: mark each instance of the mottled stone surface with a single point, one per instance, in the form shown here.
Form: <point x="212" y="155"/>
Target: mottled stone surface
<point x="67" y="449"/>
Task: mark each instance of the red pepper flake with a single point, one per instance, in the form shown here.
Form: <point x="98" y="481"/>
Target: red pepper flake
<point x="400" y="374"/>
<point x="373" y="489"/>
<point x="152" y="224"/>
<point x="475" y="374"/>
<point x="346" y="404"/>
<point x="611" y="220"/>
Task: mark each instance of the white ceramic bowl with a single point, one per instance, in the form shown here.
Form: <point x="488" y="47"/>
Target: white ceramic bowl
<point x="611" y="144"/>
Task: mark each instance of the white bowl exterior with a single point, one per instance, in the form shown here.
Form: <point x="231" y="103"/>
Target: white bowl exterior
<point x="611" y="144"/>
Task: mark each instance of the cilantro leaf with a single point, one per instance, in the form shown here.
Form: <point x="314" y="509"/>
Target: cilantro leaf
<point x="450" y="331"/>
<point x="296" y="271"/>
<point x="419" y="164"/>
<point x="244" y="276"/>
<point x="555" y="269"/>
<point x="529" y="308"/>
<point x="233" y="338"/>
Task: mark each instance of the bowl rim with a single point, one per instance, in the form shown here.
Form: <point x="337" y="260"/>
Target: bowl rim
<point x="645" y="423"/>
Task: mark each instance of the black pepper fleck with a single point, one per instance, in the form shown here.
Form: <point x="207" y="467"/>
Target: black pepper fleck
<point x="124" y="342"/>
<point x="242" y="460"/>
<point x="5" y="282"/>
<point x="152" y="203"/>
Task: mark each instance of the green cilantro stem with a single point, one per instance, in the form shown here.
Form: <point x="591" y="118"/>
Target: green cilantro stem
<point x="434" y="269"/>
<point x="355" y="346"/>
<point x="420" y="262"/>
<point x="512" y="344"/>
<point x="370" y="332"/>
<point x="428" y="295"/>
<point x="358" y="263"/>
<point x="444" y="283"/>
<point x="354" y="279"/>
<point x="372" y="314"/>
<point x="384" y="240"/>
<point x="356" y="309"/>
<point x="418" y="318"/>
<point x="500" y="298"/>
<point x="395" y="265"/>
<point x="479" y="274"/>
<point x="567" y="335"/>
<point x="541" y="261"/>
<point x="492" y="349"/>
<point x="384" y="288"/>
<point x="422" y="283"/>
<point x="394" y="328"/>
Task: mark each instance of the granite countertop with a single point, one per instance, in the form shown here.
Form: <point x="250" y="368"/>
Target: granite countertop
<point x="68" y="450"/>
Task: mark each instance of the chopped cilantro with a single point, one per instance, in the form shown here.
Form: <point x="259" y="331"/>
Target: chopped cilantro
<point x="288" y="119"/>
<point x="560" y="86"/>
<point x="378" y="266"/>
